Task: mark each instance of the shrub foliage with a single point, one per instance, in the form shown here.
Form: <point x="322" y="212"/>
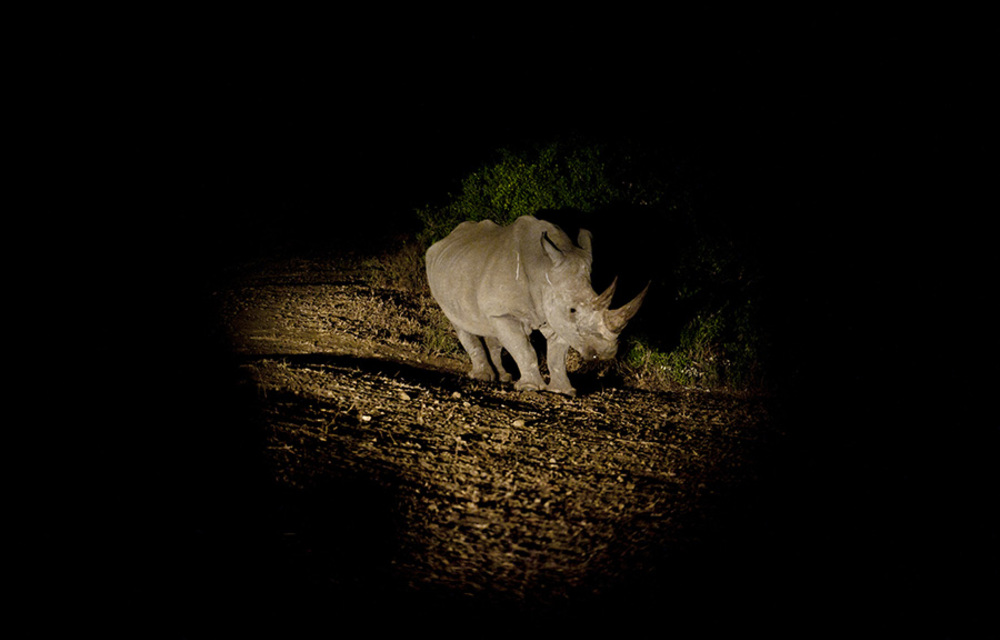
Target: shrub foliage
<point x="555" y="176"/>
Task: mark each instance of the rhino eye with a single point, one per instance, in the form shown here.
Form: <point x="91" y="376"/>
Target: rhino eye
<point x="572" y="310"/>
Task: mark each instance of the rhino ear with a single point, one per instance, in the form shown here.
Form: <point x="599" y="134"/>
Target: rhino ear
<point x="555" y="253"/>
<point x="583" y="241"/>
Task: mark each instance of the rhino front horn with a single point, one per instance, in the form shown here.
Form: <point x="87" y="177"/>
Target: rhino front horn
<point x="616" y="319"/>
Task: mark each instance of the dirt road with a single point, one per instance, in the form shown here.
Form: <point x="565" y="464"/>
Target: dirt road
<point x="391" y="477"/>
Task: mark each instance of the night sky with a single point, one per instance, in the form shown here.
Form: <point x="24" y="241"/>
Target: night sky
<point x="817" y="126"/>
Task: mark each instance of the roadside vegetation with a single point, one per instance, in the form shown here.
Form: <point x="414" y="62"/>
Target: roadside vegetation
<point x="701" y="326"/>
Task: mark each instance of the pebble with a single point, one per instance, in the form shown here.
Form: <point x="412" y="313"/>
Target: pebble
<point x="518" y="423"/>
<point x="456" y="395"/>
<point x="404" y="396"/>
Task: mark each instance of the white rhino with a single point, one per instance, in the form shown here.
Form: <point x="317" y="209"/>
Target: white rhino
<point x="498" y="284"/>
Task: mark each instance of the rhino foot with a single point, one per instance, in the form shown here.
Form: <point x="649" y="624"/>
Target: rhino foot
<point x="566" y="391"/>
<point x="528" y="385"/>
<point x="482" y="374"/>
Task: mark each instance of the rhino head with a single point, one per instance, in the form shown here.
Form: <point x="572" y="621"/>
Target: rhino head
<point x="575" y="312"/>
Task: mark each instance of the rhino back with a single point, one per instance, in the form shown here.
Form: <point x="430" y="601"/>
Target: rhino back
<point x="482" y="270"/>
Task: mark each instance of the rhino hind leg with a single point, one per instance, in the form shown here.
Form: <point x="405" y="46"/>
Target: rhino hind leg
<point x="495" y="349"/>
<point x="481" y="369"/>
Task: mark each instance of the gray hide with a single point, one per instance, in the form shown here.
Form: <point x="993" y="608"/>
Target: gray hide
<point x="498" y="284"/>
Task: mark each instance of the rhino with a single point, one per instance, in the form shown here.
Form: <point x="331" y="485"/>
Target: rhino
<point x="498" y="284"/>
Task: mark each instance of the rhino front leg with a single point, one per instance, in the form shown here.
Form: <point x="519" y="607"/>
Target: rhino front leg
<point x="495" y="347"/>
<point x="511" y="335"/>
<point x="473" y="344"/>
<point x="555" y="355"/>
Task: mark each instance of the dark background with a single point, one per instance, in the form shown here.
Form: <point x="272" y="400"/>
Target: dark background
<point x="850" y="148"/>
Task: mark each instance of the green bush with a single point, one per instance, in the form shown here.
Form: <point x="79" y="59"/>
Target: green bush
<point x="715" y="349"/>
<point x="555" y="176"/>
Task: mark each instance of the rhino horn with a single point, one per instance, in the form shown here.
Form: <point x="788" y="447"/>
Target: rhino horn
<point x="603" y="301"/>
<point x="616" y="319"/>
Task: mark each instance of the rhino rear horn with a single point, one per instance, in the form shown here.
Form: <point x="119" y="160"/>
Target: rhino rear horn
<point x="603" y="301"/>
<point x="616" y="319"/>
